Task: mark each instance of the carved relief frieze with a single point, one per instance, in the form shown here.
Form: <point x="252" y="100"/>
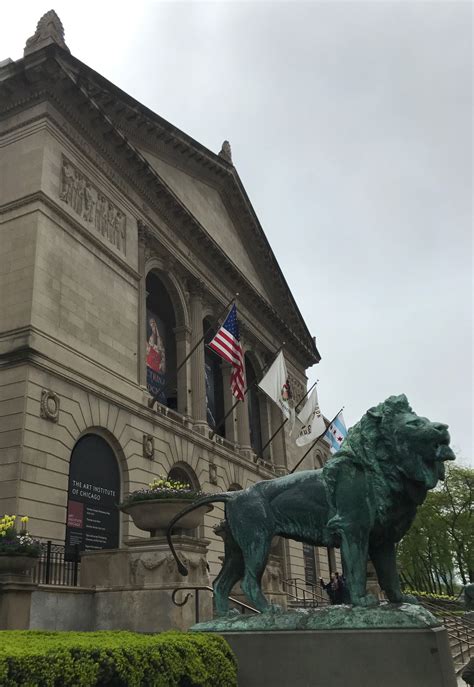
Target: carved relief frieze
<point x="49" y="405"/>
<point x="95" y="208"/>
<point x="297" y="388"/>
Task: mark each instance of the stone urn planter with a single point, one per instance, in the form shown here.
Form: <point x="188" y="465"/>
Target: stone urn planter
<point x="154" y="515"/>
<point x="17" y="565"/>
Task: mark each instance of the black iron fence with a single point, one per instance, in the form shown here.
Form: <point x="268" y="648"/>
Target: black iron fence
<point x="58" y="565"/>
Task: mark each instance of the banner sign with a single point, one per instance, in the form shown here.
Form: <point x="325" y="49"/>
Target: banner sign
<point x="156" y="357"/>
<point x="93" y="494"/>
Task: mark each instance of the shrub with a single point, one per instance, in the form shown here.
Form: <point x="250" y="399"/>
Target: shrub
<point x="429" y="595"/>
<point x="122" y="659"/>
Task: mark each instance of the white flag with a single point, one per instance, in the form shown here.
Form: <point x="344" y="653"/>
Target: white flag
<point x="312" y="420"/>
<point x="276" y="385"/>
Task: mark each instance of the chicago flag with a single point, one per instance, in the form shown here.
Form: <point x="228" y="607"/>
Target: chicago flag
<point x="336" y="433"/>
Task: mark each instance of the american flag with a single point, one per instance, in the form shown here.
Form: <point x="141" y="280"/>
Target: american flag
<point x="226" y="343"/>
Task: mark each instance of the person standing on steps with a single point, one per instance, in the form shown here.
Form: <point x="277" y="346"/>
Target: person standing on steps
<point x="331" y="588"/>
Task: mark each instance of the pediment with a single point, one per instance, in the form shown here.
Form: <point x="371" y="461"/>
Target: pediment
<point x="173" y="172"/>
<point x="206" y="204"/>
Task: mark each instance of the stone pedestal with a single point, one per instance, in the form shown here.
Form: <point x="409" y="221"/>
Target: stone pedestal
<point x="15" y="601"/>
<point x="134" y="585"/>
<point x="359" y="658"/>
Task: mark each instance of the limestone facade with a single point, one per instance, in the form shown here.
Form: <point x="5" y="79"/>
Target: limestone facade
<point x="97" y="193"/>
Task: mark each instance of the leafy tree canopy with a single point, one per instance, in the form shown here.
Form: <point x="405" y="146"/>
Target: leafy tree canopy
<point x="438" y="552"/>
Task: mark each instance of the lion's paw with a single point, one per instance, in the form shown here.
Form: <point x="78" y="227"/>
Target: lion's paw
<point x="409" y="599"/>
<point x="228" y="613"/>
<point x="368" y="600"/>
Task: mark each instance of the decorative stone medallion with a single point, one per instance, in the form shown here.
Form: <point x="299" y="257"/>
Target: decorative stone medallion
<point x="148" y="446"/>
<point x="212" y="473"/>
<point x="49" y="408"/>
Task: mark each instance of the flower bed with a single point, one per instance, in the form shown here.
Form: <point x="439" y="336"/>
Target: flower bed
<point x="84" y="659"/>
<point x="430" y="595"/>
<point x="162" y="488"/>
<point x="13" y="543"/>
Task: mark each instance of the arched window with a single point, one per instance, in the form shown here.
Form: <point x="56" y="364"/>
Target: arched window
<point x="93" y="493"/>
<point x="185" y="474"/>
<point x="255" y="420"/>
<point x="214" y="385"/>
<point x="161" y="378"/>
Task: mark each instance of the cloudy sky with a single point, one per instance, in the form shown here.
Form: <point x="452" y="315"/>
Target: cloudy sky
<point x="350" y="125"/>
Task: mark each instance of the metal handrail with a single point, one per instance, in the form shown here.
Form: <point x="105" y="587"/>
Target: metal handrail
<point x="317" y="597"/>
<point x="460" y="631"/>
<point x="205" y="587"/>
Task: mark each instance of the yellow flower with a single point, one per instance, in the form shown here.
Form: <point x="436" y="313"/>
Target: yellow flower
<point x="24" y="519"/>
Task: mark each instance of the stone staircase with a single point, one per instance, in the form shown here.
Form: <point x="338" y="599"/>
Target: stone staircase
<point x="300" y="595"/>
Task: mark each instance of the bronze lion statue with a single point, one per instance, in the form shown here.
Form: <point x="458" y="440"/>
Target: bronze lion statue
<point x="363" y="500"/>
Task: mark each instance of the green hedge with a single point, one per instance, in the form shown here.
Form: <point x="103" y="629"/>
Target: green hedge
<point x="121" y="659"/>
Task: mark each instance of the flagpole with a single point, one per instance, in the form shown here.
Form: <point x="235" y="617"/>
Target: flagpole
<point x="154" y="399"/>
<point x="218" y="424"/>
<point x="315" y="442"/>
<point x="286" y="419"/>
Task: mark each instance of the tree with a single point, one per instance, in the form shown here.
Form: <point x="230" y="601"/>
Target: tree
<point x="438" y="550"/>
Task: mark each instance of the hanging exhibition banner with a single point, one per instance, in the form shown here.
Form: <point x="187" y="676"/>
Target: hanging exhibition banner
<point x="156" y="357"/>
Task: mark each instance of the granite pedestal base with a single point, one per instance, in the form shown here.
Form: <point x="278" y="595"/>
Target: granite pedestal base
<point x="339" y="658"/>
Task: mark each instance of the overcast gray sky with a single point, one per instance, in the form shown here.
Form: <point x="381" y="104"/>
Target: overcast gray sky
<point x="350" y="126"/>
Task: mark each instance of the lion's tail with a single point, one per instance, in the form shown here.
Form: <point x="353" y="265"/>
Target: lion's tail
<point x="211" y="498"/>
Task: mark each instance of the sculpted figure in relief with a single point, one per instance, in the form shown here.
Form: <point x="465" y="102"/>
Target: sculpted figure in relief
<point x="92" y="206"/>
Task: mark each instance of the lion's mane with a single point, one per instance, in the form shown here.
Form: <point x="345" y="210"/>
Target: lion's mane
<point x="371" y="446"/>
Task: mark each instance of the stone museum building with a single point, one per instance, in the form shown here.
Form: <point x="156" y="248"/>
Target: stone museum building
<point x="122" y="241"/>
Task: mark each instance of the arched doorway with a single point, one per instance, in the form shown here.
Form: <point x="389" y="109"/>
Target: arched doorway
<point x="214" y="384"/>
<point x="161" y="377"/>
<point x="93" y="494"/>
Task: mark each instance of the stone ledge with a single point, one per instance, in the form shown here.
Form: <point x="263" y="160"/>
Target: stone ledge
<point x="359" y="658"/>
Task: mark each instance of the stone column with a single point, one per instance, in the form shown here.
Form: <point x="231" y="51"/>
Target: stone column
<point x="278" y="444"/>
<point x="141" y="342"/>
<point x="266" y="424"/>
<point x="231" y="426"/>
<point x="243" y="423"/>
<point x="198" y="378"/>
<point x="183" y="336"/>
